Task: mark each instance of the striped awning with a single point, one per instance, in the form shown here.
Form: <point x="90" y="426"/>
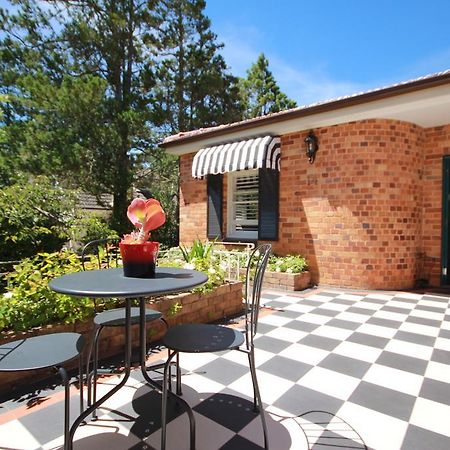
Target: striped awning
<point x="257" y="153"/>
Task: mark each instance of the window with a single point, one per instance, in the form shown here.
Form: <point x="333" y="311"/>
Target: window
<point x="252" y="205"/>
<point x="243" y="199"/>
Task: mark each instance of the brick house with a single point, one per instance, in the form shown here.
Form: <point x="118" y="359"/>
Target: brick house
<point x="372" y="210"/>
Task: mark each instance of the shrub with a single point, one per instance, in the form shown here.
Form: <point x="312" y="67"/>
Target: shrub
<point x="289" y="264"/>
<point x="34" y="217"/>
<point x="29" y="302"/>
<point x="86" y="229"/>
<point x="199" y="257"/>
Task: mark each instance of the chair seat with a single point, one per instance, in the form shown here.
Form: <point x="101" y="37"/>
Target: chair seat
<point x="199" y="338"/>
<point x="40" y="352"/>
<point x="116" y="317"/>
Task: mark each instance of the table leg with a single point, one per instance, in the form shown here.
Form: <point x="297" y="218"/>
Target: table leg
<point x="110" y="393"/>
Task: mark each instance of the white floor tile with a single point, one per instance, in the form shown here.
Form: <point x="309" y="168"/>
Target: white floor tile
<point x="442" y="344"/>
<point x="398" y="380"/>
<point x="193" y="361"/>
<point x="377" y="330"/>
<point x="274" y="320"/>
<point x="358" y="351"/>
<point x="315" y="318"/>
<point x="304" y="353"/>
<point x="300" y="308"/>
<point x="350" y="297"/>
<point x="287" y="334"/>
<point x="353" y="317"/>
<point x="333" y="332"/>
<point x="438" y="371"/>
<point x="270" y="386"/>
<point x="378" y="431"/>
<point x="431" y="416"/>
<point x="427" y="314"/>
<point x="389" y="315"/>
<point x="419" y="329"/>
<point x="409" y="349"/>
<point x="329" y="382"/>
<point x="13" y="435"/>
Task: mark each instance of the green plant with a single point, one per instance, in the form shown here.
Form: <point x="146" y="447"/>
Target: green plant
<point x="174" y="309"/>
<point x="29" y="302"/>
<point x="288" y="264"/>
<point x="199" y="250"/>
<point x="86" y="229"/>
<point x="199" y="257"/>
<point x="35" y="216"/>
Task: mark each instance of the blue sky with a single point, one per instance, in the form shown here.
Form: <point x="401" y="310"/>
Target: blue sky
<point x="320" y="49"/>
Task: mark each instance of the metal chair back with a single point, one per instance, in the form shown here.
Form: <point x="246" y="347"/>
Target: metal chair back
<point x="105" y="252"/>
<point x="256" y="268"/>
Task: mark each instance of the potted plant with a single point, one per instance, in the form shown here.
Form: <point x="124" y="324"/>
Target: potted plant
<point x="288" y="272"/>
<point x="138" y="253"/>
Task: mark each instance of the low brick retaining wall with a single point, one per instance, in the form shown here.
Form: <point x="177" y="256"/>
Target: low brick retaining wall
<point x="287" y="281"/>
<point x="187" y="307"/>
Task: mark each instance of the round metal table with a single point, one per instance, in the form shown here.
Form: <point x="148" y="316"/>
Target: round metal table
<point x="111" y="283"/>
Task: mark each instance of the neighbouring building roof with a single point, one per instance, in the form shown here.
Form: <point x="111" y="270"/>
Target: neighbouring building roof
<point x="89" y="201"/>
<point x="424" y="101"/>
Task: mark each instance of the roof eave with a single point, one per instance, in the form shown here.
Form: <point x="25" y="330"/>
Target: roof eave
<point x="367" y="97"/>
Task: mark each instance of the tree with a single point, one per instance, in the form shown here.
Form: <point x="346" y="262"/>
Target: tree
<point x="261" y="93"/>
<point x="193" y="86"/>
<point x="81" y="72"/>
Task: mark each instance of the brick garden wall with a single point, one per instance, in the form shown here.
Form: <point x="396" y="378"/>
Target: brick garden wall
<point x="357" y="213"/>
<point x="224" y="301"/>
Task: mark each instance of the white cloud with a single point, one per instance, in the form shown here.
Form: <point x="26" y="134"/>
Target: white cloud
<point x="303" y="86"/>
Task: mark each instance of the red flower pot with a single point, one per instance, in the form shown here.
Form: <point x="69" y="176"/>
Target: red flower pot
<point x="139" y="260"/>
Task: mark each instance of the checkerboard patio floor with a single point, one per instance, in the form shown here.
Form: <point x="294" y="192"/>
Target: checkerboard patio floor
<point x="337" y="369"/>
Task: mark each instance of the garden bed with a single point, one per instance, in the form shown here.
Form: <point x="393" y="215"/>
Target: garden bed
<point x="287" y="281"/>
<point x="224" y="301"/>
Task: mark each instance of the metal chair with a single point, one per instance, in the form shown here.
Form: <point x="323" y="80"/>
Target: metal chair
<point x="105" y="252"/>
<point x="45" y="351"/>
<point x="203" y="338"/>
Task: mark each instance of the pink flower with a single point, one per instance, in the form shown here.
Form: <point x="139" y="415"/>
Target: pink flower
<point x="146" y="215"/>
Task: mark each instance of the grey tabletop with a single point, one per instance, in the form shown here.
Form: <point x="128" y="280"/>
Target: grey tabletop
<point x="112" y="283"/>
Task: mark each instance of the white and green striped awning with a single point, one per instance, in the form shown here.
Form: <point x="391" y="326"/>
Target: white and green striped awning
<point x="256" y="153"/>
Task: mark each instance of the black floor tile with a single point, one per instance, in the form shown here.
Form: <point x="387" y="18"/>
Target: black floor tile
<point x="240" y="443"/>
<point x="285" y="368"/>
<point x="417" y="438"/>
<point x="344" y="364"/>
<point x="223" y="371"/>
<point x="230" y="411"/>
<point x="384" y="400"/>
<point x="403" y="362"/>
<point x="271" y="344"/>
<point x="299" y="400"/>
<point x="299" y="325"/>
<point x="345" y="324"/>
<point x="435" y="390"/>
<point x="368" y="339"/>
<point x="415" y="338"/>
<point x="314" y="340"/>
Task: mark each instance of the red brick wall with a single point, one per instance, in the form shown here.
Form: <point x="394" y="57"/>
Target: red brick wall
<point x="437" y="145"/>
<point x="356" y="213"/>
<point x="192" y="203"/>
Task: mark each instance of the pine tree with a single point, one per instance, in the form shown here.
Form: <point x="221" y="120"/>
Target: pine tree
<point x="194" y="88"/>
<point x="260" y="92"/>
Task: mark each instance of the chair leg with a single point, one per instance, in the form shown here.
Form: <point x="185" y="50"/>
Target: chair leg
<point x="179" y="391"/>
<point x="80" y="384"/>
<point x="257" y="396"/>
<point x="165" y="393"/>
<point x="65" y="378"/>
<point x="92" y="375"/>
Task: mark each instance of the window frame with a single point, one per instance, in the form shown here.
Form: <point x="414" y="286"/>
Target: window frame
<point x="231" y="232"/>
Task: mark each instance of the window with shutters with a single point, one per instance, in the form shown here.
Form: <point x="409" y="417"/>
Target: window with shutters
<point x="243" y="194"/>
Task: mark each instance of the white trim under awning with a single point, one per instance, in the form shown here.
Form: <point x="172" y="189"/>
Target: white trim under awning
<point x="257" y="153"/>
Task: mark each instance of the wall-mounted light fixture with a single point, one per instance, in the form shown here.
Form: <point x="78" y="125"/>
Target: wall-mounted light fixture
<point x="312" y="145"/>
